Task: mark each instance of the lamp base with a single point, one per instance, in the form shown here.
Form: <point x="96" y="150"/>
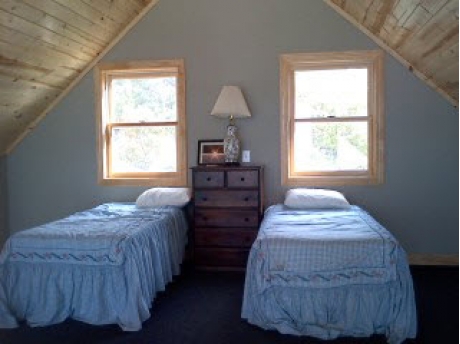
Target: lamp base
<point x="231" y="146"/>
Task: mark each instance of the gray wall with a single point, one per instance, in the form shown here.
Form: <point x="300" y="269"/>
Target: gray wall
<point x="53" y="171"/>
<point x="3" y="202"/>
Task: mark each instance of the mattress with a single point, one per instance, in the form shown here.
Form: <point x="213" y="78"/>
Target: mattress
<point x="328" y="273"/>
<point x="101" y="266"/>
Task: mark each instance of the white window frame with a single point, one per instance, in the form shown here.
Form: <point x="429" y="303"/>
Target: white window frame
<point x="104" y="74"/>
<point x="373" y="62"/>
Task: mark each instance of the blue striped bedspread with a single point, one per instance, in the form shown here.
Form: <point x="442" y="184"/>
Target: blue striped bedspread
<point x="101" y="266"/>
<point x="328" y="273"/>
<point x="97" y="236"/>
<point x="325" y="248"/>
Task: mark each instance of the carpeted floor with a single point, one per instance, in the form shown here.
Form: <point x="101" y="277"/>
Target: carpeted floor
<point x="204" y="307"/>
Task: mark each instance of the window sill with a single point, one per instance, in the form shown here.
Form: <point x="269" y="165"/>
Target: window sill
<point x="176" y="182"/>
<point x="332" y="180"/>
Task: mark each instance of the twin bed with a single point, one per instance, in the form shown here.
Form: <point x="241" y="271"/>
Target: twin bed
<point x="318" y="272"/>
<point x="100" y="266"/>
<point x="328" y="273"/>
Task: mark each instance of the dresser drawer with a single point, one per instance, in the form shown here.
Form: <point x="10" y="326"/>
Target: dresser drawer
<point x="226" y="215"/>
<point x="223" y="257"/>
<point x="226" y="218"/>
<point x="208" y="179"/>
<point x="242" y="179"/>
<point x="225" y="237"/>
<point x="220" y="198"/>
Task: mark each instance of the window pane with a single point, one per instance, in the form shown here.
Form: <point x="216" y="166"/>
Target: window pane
<point x="330" y="92"/>
<point x="326" y="147"/>
<point x="144" y="100"/>
<point x="148" y="149"/>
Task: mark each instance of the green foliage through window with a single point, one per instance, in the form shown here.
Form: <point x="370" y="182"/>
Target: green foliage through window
<point x="144" y="100"/>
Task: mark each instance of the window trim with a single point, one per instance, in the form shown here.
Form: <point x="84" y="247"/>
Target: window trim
<point x="103" y="75"/>
<point x="373" y="61"/>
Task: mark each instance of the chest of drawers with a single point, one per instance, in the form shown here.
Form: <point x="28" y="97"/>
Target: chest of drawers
<point x="227" y="213"/>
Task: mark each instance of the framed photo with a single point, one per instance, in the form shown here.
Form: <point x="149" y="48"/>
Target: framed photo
<point x="211" y="152"/>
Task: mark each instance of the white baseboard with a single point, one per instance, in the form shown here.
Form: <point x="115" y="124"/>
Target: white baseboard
<point x="433" y="259"/>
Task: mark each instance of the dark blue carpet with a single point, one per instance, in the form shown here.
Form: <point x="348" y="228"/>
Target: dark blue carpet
<point x="204" y="307"/>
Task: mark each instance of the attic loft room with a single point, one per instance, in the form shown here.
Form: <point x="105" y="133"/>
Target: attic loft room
<point x="214" y="171"/>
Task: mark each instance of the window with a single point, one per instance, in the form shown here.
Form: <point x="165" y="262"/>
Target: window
<point x="141" y="123"/>
<point x="332" y="118"/>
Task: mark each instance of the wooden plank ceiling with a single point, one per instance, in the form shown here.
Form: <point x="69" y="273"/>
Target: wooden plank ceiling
<point x="47" y="46"/>
<point x="422" y="34"/>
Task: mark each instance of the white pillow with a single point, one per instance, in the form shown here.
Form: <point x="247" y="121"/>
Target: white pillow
<point x="315" y="199"/>
<point x="157" y="197"/>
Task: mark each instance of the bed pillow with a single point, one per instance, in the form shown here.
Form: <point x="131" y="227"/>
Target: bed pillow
<point x="157" y="197"/>
<point x="315" y="199"/>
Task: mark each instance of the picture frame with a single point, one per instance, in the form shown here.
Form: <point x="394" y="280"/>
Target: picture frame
<point x="211" y="152"/>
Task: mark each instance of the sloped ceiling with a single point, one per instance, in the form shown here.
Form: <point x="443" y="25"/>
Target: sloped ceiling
<point x="421" y="34"/>
<point x="47" y="46"/>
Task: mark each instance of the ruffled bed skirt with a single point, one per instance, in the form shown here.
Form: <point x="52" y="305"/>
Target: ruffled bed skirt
<point x="44" y="293"/>
<point x="357" y="310"/>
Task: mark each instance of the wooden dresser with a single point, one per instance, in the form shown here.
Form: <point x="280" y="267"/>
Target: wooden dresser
<point x="227" y="213"/>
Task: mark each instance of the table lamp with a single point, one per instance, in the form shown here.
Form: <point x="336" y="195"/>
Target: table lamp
<point x="231" y="104"/>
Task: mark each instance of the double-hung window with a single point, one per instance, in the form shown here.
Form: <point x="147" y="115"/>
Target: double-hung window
<point x="141" y="123"/>
<point x="332" y="118"/>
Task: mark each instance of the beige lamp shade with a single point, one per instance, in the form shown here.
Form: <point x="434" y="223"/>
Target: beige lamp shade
<point x="231" y="103"/>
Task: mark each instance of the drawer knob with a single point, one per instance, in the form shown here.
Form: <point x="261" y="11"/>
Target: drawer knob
<point x="205" y="218"/>
<point x="242" y="179"/>
<point x="204" y="199"/>
<point x="246" y="219"/>
<point x="246" y="199"/>
<point x="208" y="179"/>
